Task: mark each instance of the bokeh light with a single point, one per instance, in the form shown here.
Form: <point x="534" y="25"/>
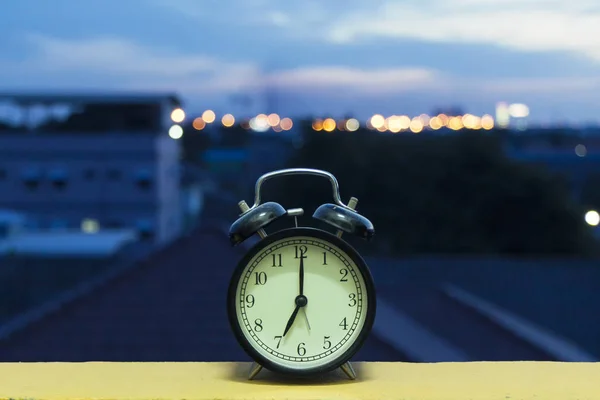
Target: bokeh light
<point x="518" y="110"/>
<point x="581" y="150"/>
<point x="444" y="119"/>
<point x="487" y="122"/>
<point x="455" y="123"/>
<point x="435" y="123"/>
<point x="209" y="116"/>
<point x="424" y="119"/>
<point x="259" y="123"/>
<point x="404" y="121"/>
<point x="228" y="120"/>
<point x="329" y="125"/>
<point x="89" y="225"/>
<point x="352" y="125"/>
<point x="198" y="124"/>
<point x="394" y="124"/>
<point x="468" y="121"/>
<point x="176" y="132"/>
<point x="592" y="218"/>
<point x="273" y="120"/>
<point x="377" y="121"/>
<point x="286" y="124"/>
<point x="416" y="125"/>
<point x="317" y="125"/>
<point x="178" y="115"/>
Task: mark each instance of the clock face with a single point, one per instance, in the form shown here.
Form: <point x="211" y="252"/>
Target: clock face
<point x="302" y="301"/>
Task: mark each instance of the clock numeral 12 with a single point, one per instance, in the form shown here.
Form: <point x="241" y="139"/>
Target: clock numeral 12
<point x="301" y="251"/>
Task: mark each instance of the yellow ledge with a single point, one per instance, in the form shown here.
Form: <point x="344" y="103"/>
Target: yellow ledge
<point x="385" y="381"/>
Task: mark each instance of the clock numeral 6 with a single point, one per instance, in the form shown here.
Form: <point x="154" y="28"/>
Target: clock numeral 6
<point x="258" y="325"/>
<point x="344" y="273"/>
<point x="260" y="278"/>
<point x="352" y="297"/>
<point x="249" y="301"/>
<point x="326" y="342"/>
<point x="301" y="349"/>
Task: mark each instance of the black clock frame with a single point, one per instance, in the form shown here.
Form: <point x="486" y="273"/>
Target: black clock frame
<point x="317" y="234"/>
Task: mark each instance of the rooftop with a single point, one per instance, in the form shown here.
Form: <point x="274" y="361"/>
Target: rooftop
<point x="68" y="243"/>
<point x="11" y="217"/>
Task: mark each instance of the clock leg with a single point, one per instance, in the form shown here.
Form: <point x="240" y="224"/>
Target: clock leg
<point x="255" y="368"/>
<point x="348" y="370"/>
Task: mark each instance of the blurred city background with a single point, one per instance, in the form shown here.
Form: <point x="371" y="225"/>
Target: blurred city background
<point x="469" y="132"/>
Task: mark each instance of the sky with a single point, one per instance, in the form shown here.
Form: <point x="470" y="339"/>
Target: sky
<point x="328" y="57"/>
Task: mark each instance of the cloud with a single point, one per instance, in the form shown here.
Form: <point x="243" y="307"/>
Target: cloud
<point x="360" y="80"/>
<point x="278" y="18"/>
<point x="293" y="19"/>
<point x="115" y="56"/>
<point x="122" y="62"/>
<point x="240" y="12"/>
<point x="531" y="25"/>
<point x="118" y="63"/>
<point x="549" y="86"/>
<point x="134" y="65"/>
<point x="528" y="25"/>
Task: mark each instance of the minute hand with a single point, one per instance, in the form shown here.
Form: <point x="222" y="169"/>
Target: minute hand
<point x="301" y="276"/>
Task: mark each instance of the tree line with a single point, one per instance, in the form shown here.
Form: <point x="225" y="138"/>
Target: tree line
<point x="456" y="193"/>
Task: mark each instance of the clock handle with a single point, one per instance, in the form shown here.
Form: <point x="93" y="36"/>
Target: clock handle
<point x="300" y="171"/>
<point x="342" y="216"/>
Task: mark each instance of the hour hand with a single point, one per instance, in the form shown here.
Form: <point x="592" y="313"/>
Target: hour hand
<point x="291" y="320"/>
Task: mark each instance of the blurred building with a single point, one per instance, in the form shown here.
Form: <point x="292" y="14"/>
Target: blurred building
<point x="72" y="175"/>
<point x="237" y="165"/>
<point x="575" y="159"/>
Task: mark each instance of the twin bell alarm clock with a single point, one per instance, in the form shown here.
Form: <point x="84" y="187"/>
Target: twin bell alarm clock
<point x="301" y="301"/>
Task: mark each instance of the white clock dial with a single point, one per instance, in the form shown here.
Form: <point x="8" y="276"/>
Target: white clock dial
<point x="330" y="322"/>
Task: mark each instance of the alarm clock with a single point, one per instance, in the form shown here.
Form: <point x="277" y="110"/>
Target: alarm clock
<point x="301" y="301"/>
